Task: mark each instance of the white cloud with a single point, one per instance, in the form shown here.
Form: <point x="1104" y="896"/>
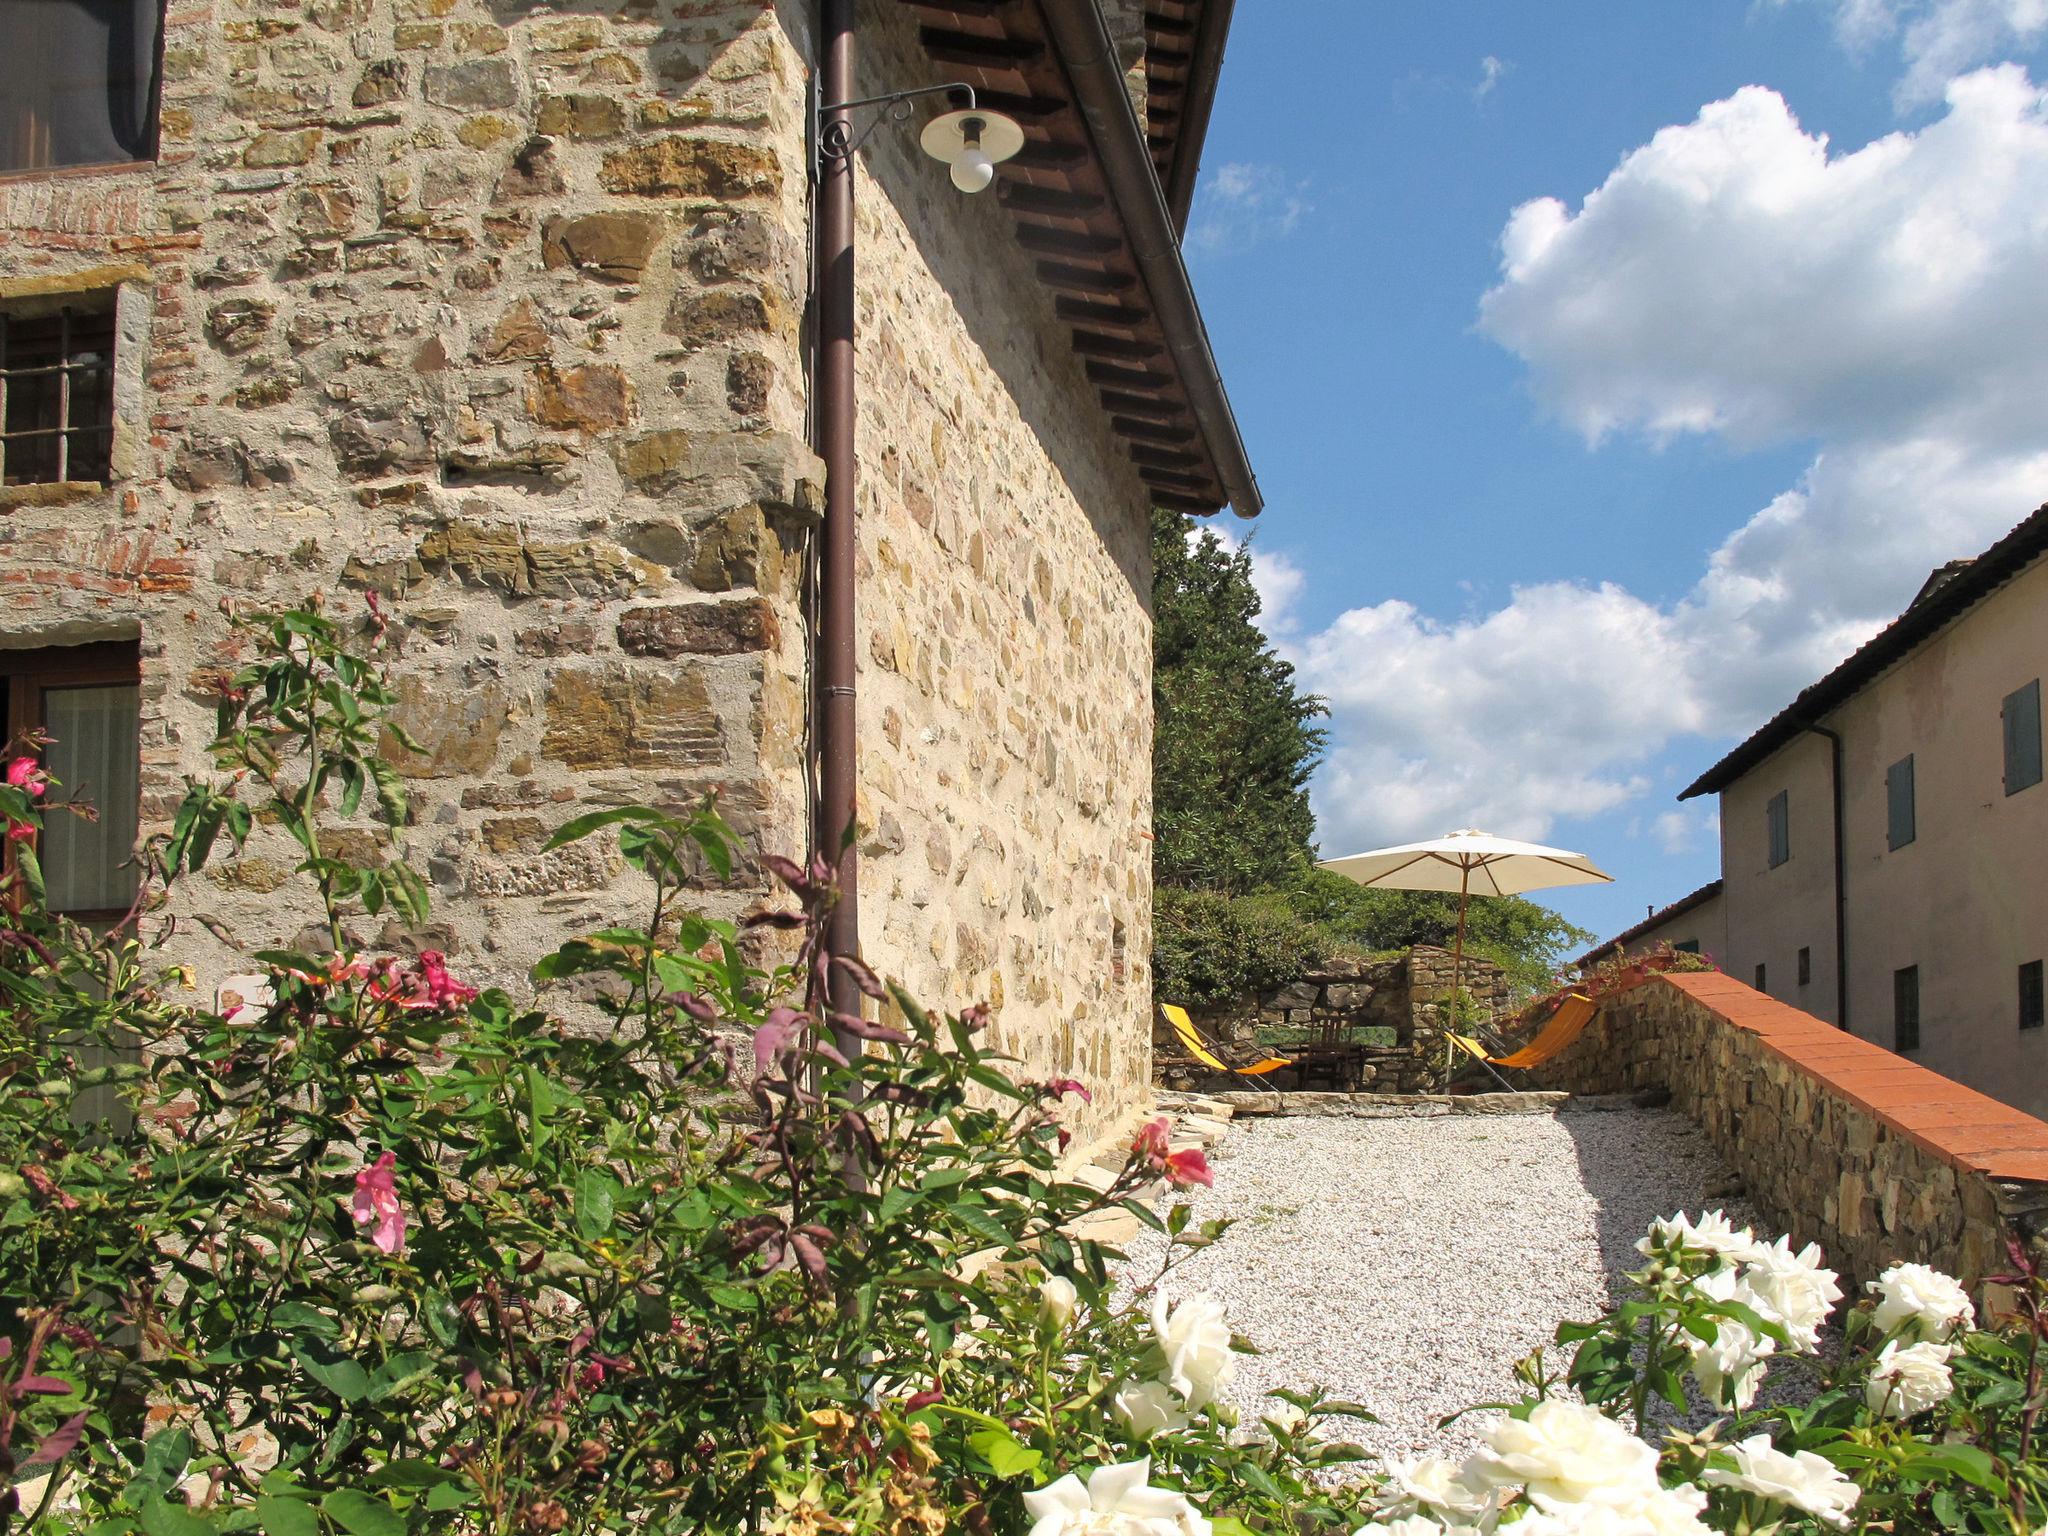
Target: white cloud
<point x="1491" y="72"/>
<point x="1939" y="39"/>
<point x="1241" y="204"/>
<point x="1731" y="278"/>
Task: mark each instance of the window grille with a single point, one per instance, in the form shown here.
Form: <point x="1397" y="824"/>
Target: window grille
<point x="57" y="394"/>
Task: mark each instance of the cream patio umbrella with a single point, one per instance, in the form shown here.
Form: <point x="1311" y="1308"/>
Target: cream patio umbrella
<point x="1469" y="862"/>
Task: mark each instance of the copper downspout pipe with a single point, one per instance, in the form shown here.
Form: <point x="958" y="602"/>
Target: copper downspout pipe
<point x="833" y="423"/>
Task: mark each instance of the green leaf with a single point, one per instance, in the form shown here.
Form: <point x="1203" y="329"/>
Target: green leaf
<point x="362" y="1515"/>
<point x="397" y="1373"/>
<point x="597" y="1196"/>
<point x="1964" y="1461"/>
<point x="733" y="1299"/>
<point x="333" y="1370"/>
<point x="167" y="1517"/>
<point x="301" y="1318"/>
<point x="449" y="1495"/>
<point x="286" y="1517"/>
<point x="1006" y="1456"/>
<point x="582" y="826"/>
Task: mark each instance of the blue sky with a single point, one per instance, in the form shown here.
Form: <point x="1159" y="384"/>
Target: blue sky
<point x="1563" y="497"/>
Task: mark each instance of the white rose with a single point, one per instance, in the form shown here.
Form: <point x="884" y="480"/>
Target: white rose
<point x="1672" y="1512"/>
<point x="1057" y="1300"/>
<point x="1730" y="1369"/>
<point x="1114" y="1502"/>
<point x="1909" y="1381"/>
<point x="1791" y="1289"/>
<point x="1935" y="1304"/>
<point x="1285" y="1417"/>
<point x="1712" y="1233"/>
<point x="1431" y="1483"/>
<point x="1806" y="1482"/>
<point x="1564" y="1453"/>
<point x="1196" y="1342"/>
<point x="1147" y="1409"/>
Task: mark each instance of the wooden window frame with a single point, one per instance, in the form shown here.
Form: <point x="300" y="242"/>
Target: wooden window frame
<point x="29" y="673"/>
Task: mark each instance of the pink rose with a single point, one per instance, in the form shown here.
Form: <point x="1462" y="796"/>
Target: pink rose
<point x="25" y="773"/>
<point x="376" y="1200"/>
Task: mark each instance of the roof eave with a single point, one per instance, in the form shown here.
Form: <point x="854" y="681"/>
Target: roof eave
<point x="1081" y="39"/>
<point x="1211" y="36"/>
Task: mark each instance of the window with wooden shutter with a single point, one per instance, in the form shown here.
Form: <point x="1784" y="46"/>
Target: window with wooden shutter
<point x="2021" y="715"/>
<point x="1898" y="796"/>
<point x="1778" y="827"/>
<point x="1906" y="1008"/>
<point x="79" y="82"/>
<point x="87" y="700"/>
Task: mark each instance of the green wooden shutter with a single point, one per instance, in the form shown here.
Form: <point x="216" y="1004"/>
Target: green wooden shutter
<point x="1898" y="794"/>
<point x="2022" y="716"/>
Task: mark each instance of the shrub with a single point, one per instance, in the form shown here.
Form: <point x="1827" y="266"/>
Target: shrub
<point x="380" y="1253"/>
<point x="1210" y="949"/>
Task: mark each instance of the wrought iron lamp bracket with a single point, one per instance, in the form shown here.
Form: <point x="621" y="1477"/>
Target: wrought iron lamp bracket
<point x="833" y="136"/>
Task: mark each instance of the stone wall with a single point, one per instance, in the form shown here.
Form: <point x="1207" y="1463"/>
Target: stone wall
<point x="494" y="312"/>
<point x="491" y="314"/>
<point x="1839" y="1141"/>
<point x="1006" y="648"/>
<point x="1393" y="1003"/>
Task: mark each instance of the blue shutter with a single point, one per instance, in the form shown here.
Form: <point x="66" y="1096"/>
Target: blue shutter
<point x="1898" y="794"/>
<point x="2022" y="716"/>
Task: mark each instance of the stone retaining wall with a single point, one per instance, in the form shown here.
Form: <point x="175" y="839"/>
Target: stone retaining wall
<point x="1840" y="1141"/>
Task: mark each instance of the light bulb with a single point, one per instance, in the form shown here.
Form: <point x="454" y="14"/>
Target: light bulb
<point x="972" y="169"/>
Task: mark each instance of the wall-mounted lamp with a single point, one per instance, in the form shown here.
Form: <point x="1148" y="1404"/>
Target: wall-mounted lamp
<point x="972" y="141"/>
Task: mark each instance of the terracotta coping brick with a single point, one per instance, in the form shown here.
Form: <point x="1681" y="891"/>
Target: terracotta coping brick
<point x="1959" y="1125"/>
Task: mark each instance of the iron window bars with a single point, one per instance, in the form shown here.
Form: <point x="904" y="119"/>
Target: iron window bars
<point x="57" y="395"/>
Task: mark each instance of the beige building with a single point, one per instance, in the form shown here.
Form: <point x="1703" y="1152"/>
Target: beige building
<point x="1882" y="837"/>
<point x="506" y="314"/>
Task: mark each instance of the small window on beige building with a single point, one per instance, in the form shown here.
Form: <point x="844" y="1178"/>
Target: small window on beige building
<point x="79" y="82"/>
<point x="1906" y="1009"/>
<point x="1805" y="965"/>
<point x="1778" y="827"/>
<point x="87" y="700"/>
<point x="1899" y="809"/>
<point x="1760" y="974"/>
<point x="2021" y="716"/>
<point x="57" y="390"/>
<point x="2033" y="1000"/>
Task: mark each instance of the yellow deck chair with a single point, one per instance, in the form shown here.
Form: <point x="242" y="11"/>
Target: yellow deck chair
<point x="1565" y="1026"/>
<point x="1199" y="1048"/>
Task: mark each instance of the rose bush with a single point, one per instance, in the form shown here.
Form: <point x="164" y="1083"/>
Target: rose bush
<point x="676" y="1247"/>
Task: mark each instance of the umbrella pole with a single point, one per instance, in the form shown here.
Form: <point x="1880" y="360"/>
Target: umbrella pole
<point x="1458" y="954"/>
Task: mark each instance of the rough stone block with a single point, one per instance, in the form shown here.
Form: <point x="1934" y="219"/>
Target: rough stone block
<point x="699" y="629"/>
<point x="637" y="717"/>
<point x="614" y="246"/>
<point x="691" y="167"/>
<point x="471" y="84"/>
<point x="591" y="397"/>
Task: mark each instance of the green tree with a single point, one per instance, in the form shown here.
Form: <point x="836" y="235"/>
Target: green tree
<point x="1234" y="740"/>
<point x="1240" y="905"/>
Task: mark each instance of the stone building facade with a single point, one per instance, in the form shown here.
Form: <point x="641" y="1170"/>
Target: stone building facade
<point x="496" y="312"/>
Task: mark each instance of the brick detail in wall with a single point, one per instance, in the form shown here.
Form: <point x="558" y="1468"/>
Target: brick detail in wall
<point x="1839" y="1141"/>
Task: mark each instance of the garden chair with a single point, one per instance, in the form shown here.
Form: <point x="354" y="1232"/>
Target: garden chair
<point x="1198" y="1048"/>
<point x="1564" y="1026"/>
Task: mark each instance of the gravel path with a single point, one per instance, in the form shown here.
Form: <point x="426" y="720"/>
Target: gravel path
<point x="1409" y="1263"/>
